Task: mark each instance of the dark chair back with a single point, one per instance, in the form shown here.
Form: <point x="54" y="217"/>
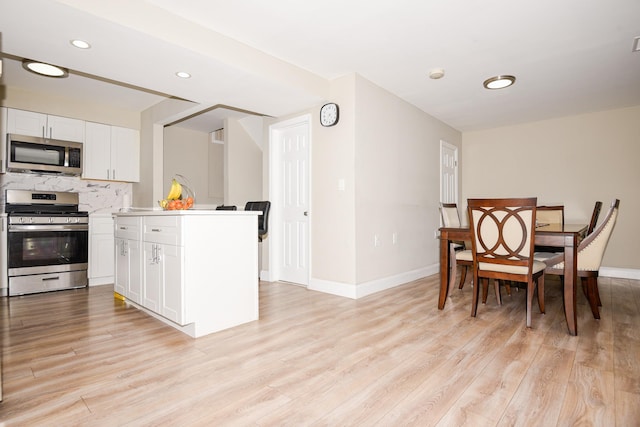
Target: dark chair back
<point x="226" y="208"/>
<point x="263" y="219"/>
<point x="594" y="217"/>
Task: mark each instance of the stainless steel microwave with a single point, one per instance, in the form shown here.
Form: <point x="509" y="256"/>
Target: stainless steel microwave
<point x="43" y="155"/>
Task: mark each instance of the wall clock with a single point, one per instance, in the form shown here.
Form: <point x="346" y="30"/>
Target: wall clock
<point x="329" y="114"/>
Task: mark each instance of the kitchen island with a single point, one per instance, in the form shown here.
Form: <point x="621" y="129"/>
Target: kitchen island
<point x="196" y="270"/>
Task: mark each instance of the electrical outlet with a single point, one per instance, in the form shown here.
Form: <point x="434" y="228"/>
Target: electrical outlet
<point x="376" y="240"/>
<point x="394" y="238"/>
<point x="435" y="234"/>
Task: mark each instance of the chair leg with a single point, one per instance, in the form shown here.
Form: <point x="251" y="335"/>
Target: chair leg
<point x="595" y="285"/>
<point x="485" y="290"/>
<point x="496" y="286"/>
<point x="592" y="288"/>
<point x="583" y="281"/>
<point x="530" y="289"/>
<point x="452" y="271"/>
<point x="463" y="276"/>
<point x="476" y="294"/>
<point x="541" y="293"/>
<point x="507" y="286"/>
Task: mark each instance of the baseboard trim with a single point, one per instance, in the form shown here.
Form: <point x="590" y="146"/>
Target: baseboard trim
<point x="620" y="273"/>
<point x="349" y="290"/>
<point x="363" y="289"/>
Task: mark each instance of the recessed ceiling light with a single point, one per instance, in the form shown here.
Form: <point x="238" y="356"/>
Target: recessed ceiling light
<point x="80" y="44"/>
<point x="43" y="69"/>
<point x="499" y="82"/>
<point x="183" y="74"/>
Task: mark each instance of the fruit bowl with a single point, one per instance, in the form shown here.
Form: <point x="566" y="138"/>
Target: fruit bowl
<point x="180" y="196"/>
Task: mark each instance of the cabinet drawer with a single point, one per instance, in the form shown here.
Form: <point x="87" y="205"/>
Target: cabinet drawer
<point x="128" y="227"/>
<point x="100" y="225"/>
<point x="165" y="230"/>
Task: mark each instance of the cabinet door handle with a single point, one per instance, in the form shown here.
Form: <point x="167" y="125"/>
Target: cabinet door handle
<point x="156" y="229"/>
<point x="114" y="174"/>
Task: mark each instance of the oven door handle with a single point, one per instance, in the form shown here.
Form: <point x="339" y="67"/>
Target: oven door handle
<point x="56" y="227"/>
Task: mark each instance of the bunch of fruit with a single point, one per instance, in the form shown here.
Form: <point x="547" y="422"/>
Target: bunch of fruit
<point x="175" y="200"/>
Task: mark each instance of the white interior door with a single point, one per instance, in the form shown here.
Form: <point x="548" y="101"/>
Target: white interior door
<point x="289" y="250"/>
<point x="448" y="173"/>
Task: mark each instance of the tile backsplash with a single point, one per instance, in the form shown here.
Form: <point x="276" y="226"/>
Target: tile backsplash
<point x="95" y="196"/>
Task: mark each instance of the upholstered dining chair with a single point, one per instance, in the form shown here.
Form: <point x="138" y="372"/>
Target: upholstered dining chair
<point x="226" y="208"/>
<point x="590" y="253"/>
<point x="458" y="253"/>
<point x="263" y="219"/>
<point x="502" y="239"/>
<point x="594" y="217"/>
<point x="550" y="214"/>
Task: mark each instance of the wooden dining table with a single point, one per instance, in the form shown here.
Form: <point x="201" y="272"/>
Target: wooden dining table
<point x="565" y="236"/>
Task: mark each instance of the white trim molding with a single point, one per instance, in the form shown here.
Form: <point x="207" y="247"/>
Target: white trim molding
<point x="620" y="273"/>
<point x="361" y="290"/>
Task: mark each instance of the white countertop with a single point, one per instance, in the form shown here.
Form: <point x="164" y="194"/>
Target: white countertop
<point x="182" y="212"/>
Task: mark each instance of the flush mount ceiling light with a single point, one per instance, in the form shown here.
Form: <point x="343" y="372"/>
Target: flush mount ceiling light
<point x="80" y="44"/>
<point x="43" y="69"/>
<point x="436" y="73"/>
<point x="499" y="82"/>
<point x="183" y="74"/>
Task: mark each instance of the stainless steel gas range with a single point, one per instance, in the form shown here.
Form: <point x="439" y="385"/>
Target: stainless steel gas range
<point x="47" y="244"/>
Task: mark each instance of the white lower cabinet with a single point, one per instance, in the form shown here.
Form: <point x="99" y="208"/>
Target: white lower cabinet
<point x="128" y="258"/>
<point x="163" y="284"/>
<point x="163" y="264"/>
<point x="199" y="269"/>
<point x="101" y="243"/>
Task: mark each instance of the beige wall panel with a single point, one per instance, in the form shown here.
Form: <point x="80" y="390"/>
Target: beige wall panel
<point x="573" y="160"/>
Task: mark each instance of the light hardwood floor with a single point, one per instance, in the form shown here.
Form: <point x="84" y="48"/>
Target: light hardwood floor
<point x="391" y="359"/>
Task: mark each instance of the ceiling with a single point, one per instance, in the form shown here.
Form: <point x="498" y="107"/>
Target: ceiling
<point x="278" y="57"/>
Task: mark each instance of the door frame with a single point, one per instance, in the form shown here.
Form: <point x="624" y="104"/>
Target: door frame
<point x="275" y="195"/>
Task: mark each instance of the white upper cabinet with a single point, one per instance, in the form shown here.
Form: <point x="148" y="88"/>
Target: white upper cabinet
<point x="23" y="122"/>
<point x="111" y="153"/>
<point x="125" y="154"/>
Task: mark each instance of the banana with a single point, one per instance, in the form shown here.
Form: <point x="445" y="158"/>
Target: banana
<point x="176" y="190"/>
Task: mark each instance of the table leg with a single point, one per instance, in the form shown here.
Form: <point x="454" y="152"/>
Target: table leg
<point x="570" y="273"/>
<point x="444" y="271"/>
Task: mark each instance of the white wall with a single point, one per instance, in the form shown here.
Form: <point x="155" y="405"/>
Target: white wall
<point x="573" y="160"/>
<point x="397" y="166"/>
<point x="186" y="152"/>
<point x="243" y="166"/>
<point x="387" y="153"/>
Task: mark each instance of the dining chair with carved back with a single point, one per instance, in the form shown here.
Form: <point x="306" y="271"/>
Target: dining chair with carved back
<point x="502" y="239"/>
<point x="590" y="253"/>
<point x="458" y="252"/>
